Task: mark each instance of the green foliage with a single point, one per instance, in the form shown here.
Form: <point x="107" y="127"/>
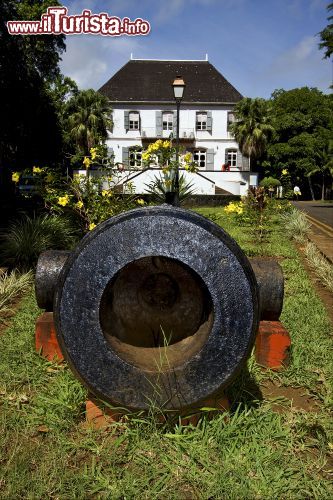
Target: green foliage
<point x="88" y="198"/>
<point x="326" y="35"/>
<point x="303" y="122"/>
<point x="27" y="237"/>
<point x="12" y="286"/>
<point x="252" y="128"/>
<point x="269" y="182"/>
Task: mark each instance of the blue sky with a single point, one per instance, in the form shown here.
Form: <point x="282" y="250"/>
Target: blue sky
<point x="258" y="45"/>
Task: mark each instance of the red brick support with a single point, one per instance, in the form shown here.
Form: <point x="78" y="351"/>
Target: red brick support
<point x="45" y="338"/>
<point x="273" y="343"/>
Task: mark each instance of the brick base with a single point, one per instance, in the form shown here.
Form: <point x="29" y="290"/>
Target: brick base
<point x="271" y="351"/>
<point x="46" y="339"/>
<point x="273" y="343"/>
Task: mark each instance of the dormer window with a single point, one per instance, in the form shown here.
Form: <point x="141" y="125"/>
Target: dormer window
<point x="167" y="120"/>
<point x="231" y="118"/>
<point x="201" y="121"/>
<point x="134" y="120"/>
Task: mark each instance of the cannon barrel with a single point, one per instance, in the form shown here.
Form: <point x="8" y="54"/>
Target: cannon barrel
<point x="268" y="273"/>
<point x="156" y="305"/>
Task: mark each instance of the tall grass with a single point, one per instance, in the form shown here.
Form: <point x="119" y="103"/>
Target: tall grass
<point x="322" y="268"/>
<point x="27" y="237"/>
<point x="296" y="224"/>
<point x="12" y="285"/>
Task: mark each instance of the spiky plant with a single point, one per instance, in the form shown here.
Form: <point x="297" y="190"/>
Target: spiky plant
<point x="157" y="189"/>
<point x="27" y="237"/>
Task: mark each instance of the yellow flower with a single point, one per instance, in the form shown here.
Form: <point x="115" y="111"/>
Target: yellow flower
<point x="145" y="156"/>
<point x="106" y="192"/>
<point x="63" y="200"/>
<point x="86" y="162"/>
<point x="284" y="171"/>
<point x="187" y="157"/>
<point x="92" y="225"/>
<point x="79" y="204"/>
<point x="15" y="177"/>
<point x="93" y="152"/>
<point x="140" y="201"/>
<point x="166" y="144"/>
<point x="37" y="170"/>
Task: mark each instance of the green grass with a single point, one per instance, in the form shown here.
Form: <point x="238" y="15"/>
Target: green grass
<point x="252" y="452"/>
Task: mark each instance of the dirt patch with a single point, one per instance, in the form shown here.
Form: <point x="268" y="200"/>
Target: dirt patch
<point x="298" y="397"/>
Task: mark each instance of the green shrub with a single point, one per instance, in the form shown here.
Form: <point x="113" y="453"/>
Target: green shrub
<point x="269" y="182"/>
<point x="27" y="237"/>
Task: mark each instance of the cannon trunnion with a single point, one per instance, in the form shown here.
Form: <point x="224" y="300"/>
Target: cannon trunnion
<point x="157" y="305"/>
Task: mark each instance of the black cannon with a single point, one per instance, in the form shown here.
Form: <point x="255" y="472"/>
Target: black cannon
<point x="157" y="305"/>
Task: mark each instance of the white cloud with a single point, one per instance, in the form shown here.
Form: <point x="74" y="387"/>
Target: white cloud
<point x="91" y="60"/>
<point x="301" y="65"/>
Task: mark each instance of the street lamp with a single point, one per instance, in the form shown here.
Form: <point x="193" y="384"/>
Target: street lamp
<point x="178" y="91"/>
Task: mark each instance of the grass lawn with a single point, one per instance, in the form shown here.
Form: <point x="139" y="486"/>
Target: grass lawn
<point x="265" y="448"/>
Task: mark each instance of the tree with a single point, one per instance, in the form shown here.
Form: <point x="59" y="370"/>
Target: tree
<point x="324" y="166"/>
<point x="326" y="36"/>
<point x="87" y="118"/>
<point x="29" y="130"/>
<point x="252" y="128"/>
<point x="303" y="122"/>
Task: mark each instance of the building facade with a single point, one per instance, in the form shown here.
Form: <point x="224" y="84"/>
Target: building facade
<point x="144" y="110"/>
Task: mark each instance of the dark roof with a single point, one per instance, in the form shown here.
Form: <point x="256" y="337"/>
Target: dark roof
<point x="150" y="81"/>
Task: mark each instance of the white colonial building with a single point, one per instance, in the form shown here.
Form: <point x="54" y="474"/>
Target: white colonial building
<point x="144" y="110"/>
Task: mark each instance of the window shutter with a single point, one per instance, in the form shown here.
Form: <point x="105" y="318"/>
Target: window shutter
<point x="226" y="156"/>
<point x="139" y="121"/>
<point x="209" y="121"/>
<point x="210" y="159"/>
<point x="175" y="125"/>
<point x="126" y="120"/>
<point x="239" y="160"/>
<point x="125" y="154"/>
<point x="158" y="123"/>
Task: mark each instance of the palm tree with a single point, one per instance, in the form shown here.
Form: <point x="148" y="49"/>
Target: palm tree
<point x="324" y="166"/>
<point x="252" y="128"/>
<point x="87" y="119"/>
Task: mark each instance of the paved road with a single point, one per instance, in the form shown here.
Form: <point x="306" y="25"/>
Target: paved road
<point x="318" y="210"/>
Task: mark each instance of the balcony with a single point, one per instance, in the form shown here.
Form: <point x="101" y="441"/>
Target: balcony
<point x="185" y="134"/>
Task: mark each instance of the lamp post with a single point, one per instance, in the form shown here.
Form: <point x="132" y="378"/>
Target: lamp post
<point x="178" y="90"/>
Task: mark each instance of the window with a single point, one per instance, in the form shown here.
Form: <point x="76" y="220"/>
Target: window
<point x="231" y="118"/>
<point x="201" y="121"/>
<point x="135" y="157"/>
<point x="167" y="121"/>
<point x="134" y="120"/>
<point x="199" y="156"/>
<point x="232" y="157"/>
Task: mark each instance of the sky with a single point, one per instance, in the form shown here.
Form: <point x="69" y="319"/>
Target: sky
<point x="257" y="45"/>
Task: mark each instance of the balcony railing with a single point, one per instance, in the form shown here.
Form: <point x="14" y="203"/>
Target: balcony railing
<point x="152" y="133"/>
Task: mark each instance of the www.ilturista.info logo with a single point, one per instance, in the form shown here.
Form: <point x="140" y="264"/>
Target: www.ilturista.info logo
<point x="56" y="21"/>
